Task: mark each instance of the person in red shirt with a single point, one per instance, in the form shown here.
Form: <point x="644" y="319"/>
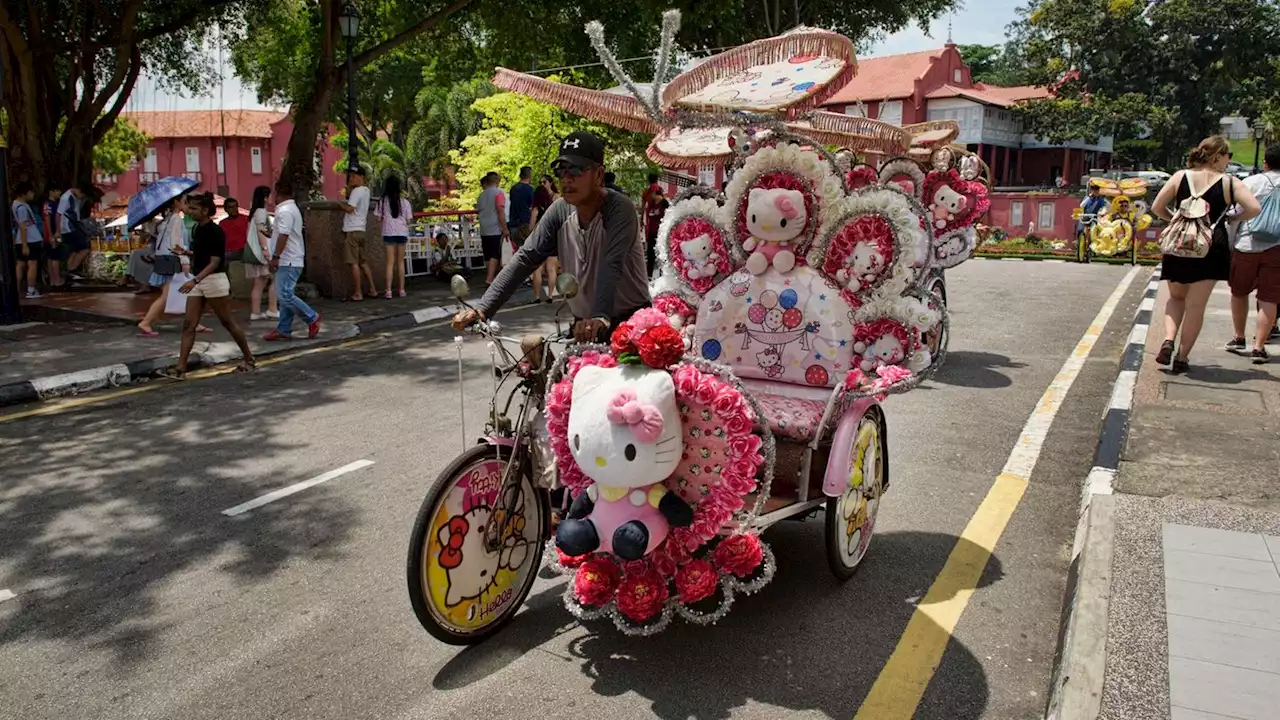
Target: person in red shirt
<point x="236" y="227"/>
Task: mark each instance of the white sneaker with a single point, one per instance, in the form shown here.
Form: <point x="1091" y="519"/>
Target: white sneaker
<point x="272" y="315"/>
<point x="33" y="293"/>
<point x="257" y="316"/>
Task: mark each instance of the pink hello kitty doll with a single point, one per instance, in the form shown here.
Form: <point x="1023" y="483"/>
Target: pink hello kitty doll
<point x="775" y="218"/>
<point x="625" y="434"/>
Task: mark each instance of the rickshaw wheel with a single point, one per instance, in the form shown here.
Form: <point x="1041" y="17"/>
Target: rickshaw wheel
<point x="935" y="336"/>
<point x="462" y="593"/>
<point x="851" y="516"/>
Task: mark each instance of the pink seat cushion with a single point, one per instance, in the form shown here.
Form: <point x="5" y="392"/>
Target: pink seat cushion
<point x="790" y="417"/>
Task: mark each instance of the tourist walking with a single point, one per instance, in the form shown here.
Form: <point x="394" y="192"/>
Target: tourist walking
<point x="256" y="257"/>
<point x="657" y="209"/>
<point x="492" y="215"/>
<point x="288" y="256"/>
<point x="1255" y="263"/>
<point x="524" y="217"/>
<point x="168" y="245"/>
<point x="28" y="241"/>
<point x="395" y="213"/>
<point x="52" y="238"/>
<point x="353" y="230"/>
<point x="209" y="288"/>
<point x="1191" y="279"/>
<point x="544" y="196"/>
<point x="73" y="206"/>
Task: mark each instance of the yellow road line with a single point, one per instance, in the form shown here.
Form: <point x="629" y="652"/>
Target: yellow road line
<point x="903" y="679"/>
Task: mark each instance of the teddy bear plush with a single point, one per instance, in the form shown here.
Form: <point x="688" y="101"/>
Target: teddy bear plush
<point x="775" y="218"/>
<point x="625" y="434"/>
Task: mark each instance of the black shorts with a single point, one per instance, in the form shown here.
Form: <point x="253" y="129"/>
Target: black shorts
<point x="36" y="252"/>
<point x="75" y="241"/>
<point x="491" y="247"/>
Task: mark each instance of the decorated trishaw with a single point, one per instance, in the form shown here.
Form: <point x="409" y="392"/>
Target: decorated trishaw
<point x="1113" y="231"/>
<point x="786" y="309"/>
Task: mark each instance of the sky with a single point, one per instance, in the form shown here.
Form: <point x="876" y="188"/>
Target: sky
<point x="982" y="22"/>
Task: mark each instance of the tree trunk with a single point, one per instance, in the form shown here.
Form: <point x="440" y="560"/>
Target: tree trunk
<point x="308" y="119"/>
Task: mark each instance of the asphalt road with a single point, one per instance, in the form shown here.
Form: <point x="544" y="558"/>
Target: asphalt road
<point x="135" y="597"/>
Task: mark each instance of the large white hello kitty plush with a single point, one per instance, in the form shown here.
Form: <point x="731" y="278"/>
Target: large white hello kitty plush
<point x="775" y="218"/>
<point x="625" y="434"/>
<point x="700" y="260"/>
<point x="947" y="203"/>
<point x="863" y="266"/>
<point x="463" y="538"/>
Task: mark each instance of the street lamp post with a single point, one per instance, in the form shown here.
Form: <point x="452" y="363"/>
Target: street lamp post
<point x="349" y="25"/>
<point x="1259" y="134"/>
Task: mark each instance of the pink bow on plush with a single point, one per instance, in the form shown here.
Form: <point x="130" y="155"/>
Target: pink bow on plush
<point x="645" y="420"/>
<point x="786" y="207"/>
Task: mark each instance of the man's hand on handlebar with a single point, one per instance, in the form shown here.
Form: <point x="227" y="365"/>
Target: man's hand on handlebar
<point x="466" y="318"/>
<point x="588" y="331"/>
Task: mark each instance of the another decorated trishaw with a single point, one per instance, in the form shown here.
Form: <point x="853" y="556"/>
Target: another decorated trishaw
<point x="1114" y="230"/>
<point x="786" y="309"/>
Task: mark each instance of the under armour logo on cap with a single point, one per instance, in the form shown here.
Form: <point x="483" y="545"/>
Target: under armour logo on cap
<point x="582" y="148"/>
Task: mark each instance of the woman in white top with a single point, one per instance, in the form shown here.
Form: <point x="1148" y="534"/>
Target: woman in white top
<point x="259" y="245"/>
<point x="396" y="214"/>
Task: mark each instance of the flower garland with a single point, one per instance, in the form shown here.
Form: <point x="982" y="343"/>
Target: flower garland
<point x="860" y="176"/>
<point x="899" y="216"/>
<point x="686" y="220"/>
<point x="978" y="203"/>
<point x="892" y="170"/>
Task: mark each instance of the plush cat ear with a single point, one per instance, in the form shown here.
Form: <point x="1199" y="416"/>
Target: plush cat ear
<point x="589" y="379"/>
<point x="657" y="388"/>
<point x="756" y="194"/>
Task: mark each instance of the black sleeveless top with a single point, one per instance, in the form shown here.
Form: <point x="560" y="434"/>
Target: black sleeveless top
<point x="1217" y="264"/>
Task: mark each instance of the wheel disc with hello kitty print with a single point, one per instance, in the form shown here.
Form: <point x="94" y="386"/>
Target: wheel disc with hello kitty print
<point x="851" y="516"/>
<point x="461" y="592"/>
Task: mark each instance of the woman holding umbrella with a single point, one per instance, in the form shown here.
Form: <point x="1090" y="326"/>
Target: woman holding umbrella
<point x="161" y="197"/>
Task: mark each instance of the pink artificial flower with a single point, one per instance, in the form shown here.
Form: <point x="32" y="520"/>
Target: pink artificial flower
<point x="739" y="555"/>
<point x="891" y="374"/>
<point x="686" y="380"/>
<point x="854" y="379"/>
<point x="728" y="402"/>
<point x="645" y="319"/>
<point x="738" y="426"/>
<point x="746" y="446"/>
<point x="708" y="389"/>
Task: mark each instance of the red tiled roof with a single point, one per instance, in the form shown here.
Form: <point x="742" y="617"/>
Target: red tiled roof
<point x="205" y="123"/>
<point x="991" y="94"/>
<point x="888" y="77"/>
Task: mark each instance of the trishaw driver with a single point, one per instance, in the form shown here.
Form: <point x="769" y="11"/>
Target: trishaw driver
<point x="596" y="234"/>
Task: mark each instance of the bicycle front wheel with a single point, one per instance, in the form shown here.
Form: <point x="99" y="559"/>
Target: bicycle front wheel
<point x="462" y="591"/>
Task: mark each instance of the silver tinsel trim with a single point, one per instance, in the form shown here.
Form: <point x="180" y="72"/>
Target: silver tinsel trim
<point x="914" y="381"/>
<point x="595" y="31"/>
<point x="670" y="25"/>
<point x="904" y="253"/>
<point x="698" y="191"/>
<point x="904" y="166"/>
<point x="768" y="567"/>
<point x="711" y="618"/>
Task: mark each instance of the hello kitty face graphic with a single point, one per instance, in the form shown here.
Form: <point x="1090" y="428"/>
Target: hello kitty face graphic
<point x="470" y="567"/>
<point x="769" y="357"/>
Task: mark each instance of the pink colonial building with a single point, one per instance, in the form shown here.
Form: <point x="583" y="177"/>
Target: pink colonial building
<point x="229" y="151"/>
<point x="937" y="85"/>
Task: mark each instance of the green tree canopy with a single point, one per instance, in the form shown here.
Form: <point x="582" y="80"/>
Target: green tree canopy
<point x="120" y="148"/>
<point x="993" y="64"/>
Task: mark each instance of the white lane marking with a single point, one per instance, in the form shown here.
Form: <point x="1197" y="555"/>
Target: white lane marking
<point x="1138" y="335"/>
<point x="1022" y="461"/>
<point x="6" y="595"/>
<point x="1147" y="305"/>
<point x="1122" y="392"/>
<point x="295" y="488"/>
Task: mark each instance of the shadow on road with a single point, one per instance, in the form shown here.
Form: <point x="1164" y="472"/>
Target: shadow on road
<point x="805" y="643"/>
<point x="970" y="369"/>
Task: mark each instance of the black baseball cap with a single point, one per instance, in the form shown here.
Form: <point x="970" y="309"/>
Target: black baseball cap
<point x="581" y="149"/>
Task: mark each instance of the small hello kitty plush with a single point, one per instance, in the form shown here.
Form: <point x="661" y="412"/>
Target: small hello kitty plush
<point x="775" y="218"/>
<point x="882" y="342"/>
<point x="863" y="266"/>
<point x="947" y="203"/>
<point x="625" y="433"/>
<point x="700" y="260"/>
<point x="770" y="360"/>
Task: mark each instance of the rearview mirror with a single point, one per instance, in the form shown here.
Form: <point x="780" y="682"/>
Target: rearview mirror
<point x="459" y="287"/>
<point x="567" y="286"/>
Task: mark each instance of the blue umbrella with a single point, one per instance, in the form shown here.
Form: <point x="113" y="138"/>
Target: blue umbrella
<point x="149" y="200"/>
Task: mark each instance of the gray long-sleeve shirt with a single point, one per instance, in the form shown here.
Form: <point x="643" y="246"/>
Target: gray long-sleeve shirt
<point x="607" y="257"/>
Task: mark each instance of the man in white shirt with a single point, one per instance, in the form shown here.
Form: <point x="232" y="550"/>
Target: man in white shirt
<point x="357" y="209"/>
<point x="287" y="260"/>
<point x="70" y="212"/>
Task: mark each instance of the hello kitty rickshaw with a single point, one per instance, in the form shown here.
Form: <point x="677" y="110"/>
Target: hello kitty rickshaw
<point x="786" y="309"/>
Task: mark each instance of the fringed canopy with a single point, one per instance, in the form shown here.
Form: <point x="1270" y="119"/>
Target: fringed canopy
<point x="858" y="134"/>
<point x="933" y="134"/>
<point x="690" y="147"/>
<point x="621" y="111"/>
<point x="796" y="72"/>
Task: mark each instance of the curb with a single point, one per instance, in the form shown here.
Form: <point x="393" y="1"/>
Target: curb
<point x="81" y="381"/>
<point x="1079" y="667"/>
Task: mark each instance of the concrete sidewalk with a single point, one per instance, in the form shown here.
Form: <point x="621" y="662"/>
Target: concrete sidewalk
<point x="1179" y="575"/>
<point x="93" y="342"/>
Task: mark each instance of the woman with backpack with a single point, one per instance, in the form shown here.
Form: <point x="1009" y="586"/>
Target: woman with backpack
<point x="1196" y="254"/>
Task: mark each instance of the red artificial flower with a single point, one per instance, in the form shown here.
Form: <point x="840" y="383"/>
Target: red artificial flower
<point x="660" y="347"/>
<point x="642" y="595"/>
<point x="620" y="341"/>
<point x="570" y="561"/>
<point x="595" y="582"/>
<point x="696" y="581"/>
<point x="739" y="555"/>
